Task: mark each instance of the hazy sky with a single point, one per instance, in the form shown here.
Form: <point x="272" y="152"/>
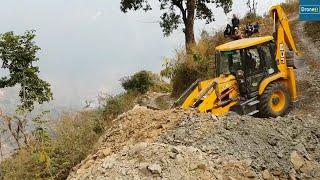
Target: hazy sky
<point x="88" y="45"/>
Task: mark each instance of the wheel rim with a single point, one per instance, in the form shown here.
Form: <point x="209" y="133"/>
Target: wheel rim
<point x="277" y="101"/>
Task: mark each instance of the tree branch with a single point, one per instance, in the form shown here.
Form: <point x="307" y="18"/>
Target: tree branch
<point x="179" y="4"/>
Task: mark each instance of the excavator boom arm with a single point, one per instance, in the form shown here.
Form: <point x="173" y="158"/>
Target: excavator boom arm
<point x="281" y="21"/>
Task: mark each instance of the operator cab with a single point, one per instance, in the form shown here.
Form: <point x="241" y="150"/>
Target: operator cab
<point x="249" y="64"/>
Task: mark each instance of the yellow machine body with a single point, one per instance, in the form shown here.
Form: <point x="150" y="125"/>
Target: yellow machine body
<point x="219" y="94"/>
<point x="223" y="87"/>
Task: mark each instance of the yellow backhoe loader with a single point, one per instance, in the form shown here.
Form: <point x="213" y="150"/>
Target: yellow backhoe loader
<point x="253" y="75"/>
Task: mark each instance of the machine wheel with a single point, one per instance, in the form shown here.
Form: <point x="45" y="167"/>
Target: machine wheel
<point x="274" y="101"/>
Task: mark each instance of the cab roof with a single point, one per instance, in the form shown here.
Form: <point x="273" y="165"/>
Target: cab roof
<point x="243" y="43"/>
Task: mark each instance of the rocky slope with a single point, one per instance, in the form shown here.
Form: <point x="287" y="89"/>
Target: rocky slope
<point x="175" y="144"/>
<point x="146" y="143"/>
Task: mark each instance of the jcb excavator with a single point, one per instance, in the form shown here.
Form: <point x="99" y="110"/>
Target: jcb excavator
<point x="253" y="75"/>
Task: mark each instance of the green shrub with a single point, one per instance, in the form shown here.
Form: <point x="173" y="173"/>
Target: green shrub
<point x="140" y="82"/>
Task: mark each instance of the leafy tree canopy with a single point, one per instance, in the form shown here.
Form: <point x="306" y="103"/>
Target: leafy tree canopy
<point x="18" y="54"/>
<point x="177" y="12"/>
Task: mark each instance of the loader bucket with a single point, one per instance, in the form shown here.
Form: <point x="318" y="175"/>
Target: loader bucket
<point x="213" y="95"/>
<point x="202" y="97"/>
<point x="186" y="93"/>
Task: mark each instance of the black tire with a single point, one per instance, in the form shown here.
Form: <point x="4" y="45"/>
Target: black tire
<point x="267" y="106"/>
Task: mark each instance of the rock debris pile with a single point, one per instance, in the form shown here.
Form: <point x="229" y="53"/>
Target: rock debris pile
<point x="179" y="144"/>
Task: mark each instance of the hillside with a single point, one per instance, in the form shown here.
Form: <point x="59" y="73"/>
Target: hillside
<point x="144" y="143"/>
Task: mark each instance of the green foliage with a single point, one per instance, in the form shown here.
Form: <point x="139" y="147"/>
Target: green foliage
<point x="18" y="55"/>
<point x="140" y="82"/>
<point x="175" y="12"/>
<point x="134" y="5"/>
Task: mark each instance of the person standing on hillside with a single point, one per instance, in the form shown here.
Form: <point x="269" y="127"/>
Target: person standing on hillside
<point x="235" y="21"/>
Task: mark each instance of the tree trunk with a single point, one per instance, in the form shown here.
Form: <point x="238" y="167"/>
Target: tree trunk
<point x="189" y="37"/>
<point x="189" y="25"/>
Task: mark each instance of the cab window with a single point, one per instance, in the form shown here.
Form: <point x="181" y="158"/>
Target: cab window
<point x="267" y="55"/>
<point x="253" y="61"/>
<point x="229" y="62"/>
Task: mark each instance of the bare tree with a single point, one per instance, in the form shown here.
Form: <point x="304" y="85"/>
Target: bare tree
<point x="252" y="5"/>
<point x="17" y="128"/>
